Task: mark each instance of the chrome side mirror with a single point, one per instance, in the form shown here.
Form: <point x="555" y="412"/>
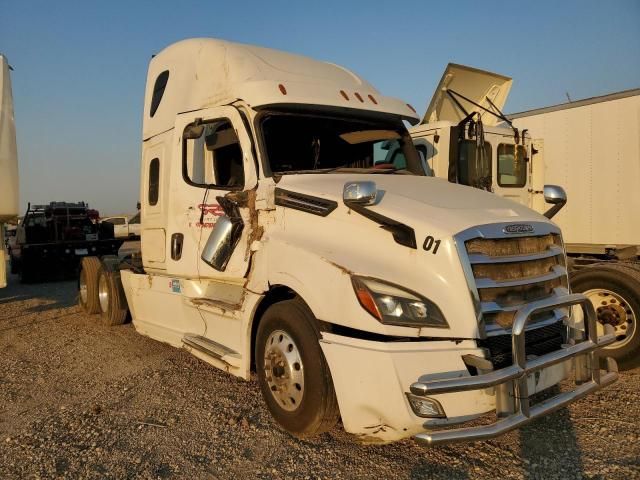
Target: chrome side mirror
<point x="221" y="243"/>
<point x="360" y="193"/>
<point x="556" y="196"/>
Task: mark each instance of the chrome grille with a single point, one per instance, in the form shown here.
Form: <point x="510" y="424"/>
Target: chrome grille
<point x="510" y="271"/>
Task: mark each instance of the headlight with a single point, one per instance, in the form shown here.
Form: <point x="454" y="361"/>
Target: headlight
<point x="393" y="305"/>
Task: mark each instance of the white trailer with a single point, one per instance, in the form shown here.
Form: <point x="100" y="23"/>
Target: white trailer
<point x="8" y="163"/>
<point x="271" y="243"/>
<point x="590" y="148"/>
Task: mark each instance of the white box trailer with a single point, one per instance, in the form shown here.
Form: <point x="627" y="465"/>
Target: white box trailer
<point x="592" y="148"/>
<point x="8" y="163"/>
<point x="589" y="147"/>
<point x="271" y="242"/>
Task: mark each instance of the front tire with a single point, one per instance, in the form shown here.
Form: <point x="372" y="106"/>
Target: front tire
<point x="292" y="372"/>
<point x="614" y="291"/>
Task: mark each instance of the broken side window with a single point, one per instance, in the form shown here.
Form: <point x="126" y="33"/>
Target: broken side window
<point x="214" y="158"/>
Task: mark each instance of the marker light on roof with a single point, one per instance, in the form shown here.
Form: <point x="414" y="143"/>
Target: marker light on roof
<point x="412" y="109"/>
<point x="344" y="94"/>
<point x="372" y="99"/>
<point x="282" y="89"/>
<point x="359" y="97"/>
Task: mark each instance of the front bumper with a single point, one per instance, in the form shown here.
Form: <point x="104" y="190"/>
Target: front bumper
<point x="512" y="383"/>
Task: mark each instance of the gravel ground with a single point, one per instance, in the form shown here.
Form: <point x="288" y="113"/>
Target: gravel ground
<point x="82" y="401"/>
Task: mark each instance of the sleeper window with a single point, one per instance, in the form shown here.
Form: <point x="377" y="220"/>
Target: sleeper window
<point x="212" y="155"/>
<point x="154" y="181"/>
<point x="158" y="91"/>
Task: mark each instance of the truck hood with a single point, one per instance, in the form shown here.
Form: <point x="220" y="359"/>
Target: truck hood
<point x="354" y="244"/>
<point x="475" y="84"/>
<point x="418" y="200"/>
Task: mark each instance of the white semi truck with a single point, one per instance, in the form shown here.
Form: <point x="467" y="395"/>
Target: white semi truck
<point x="590" y="148"/>
<point x="8" y="163"/>
<point x="398" y="302"/>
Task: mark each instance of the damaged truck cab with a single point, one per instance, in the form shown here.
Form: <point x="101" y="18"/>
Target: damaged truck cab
<point x="273" y="239"/>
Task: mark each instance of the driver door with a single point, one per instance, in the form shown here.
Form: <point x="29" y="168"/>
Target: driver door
<point x="214" y="160"/>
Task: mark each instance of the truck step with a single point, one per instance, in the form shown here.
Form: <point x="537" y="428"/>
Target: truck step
<point x="212" y="348"/>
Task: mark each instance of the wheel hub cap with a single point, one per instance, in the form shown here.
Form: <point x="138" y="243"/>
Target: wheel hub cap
<point x="612" y="309"/>
<point x="103" y="293"/>
<point x="284" y="371"/>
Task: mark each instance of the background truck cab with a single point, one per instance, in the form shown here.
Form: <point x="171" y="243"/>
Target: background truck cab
<point x="589" y="147"/>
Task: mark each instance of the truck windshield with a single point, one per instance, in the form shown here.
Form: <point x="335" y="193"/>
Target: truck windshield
<point x="305" y="143"/>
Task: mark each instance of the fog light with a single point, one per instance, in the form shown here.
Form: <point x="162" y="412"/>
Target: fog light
<point x="425" y="407"/>
<point x="93" y="249"/>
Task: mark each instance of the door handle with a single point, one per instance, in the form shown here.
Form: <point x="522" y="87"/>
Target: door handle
<point x="177" y="240"/>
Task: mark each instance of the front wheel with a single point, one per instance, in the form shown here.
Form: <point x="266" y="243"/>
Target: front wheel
<point x="614" y="291"/>
<point x="293" y="375"/>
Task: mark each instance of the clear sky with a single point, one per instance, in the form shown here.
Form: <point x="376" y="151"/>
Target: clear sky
<point x="80" y="66"/>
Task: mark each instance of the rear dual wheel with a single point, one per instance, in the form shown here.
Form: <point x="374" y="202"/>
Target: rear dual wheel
<point x="113" y="303"/>
<point x="100" y="291"/>
<point x="88" y="284"/>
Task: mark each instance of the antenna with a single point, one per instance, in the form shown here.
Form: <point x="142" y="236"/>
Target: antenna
<point x="568" y="97"/>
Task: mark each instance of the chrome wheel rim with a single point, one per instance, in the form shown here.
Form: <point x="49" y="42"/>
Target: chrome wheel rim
<point x="612" y="309"/>
<point x="83" y="287"/>
<point x="103" y="293"/>
<point x="283" y="370"/>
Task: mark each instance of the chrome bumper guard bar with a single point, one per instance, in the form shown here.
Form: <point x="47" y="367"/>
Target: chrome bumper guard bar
<point x="511" y="382"/>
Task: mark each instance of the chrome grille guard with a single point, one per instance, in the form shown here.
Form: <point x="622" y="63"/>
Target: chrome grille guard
<point x="511" y="382"/>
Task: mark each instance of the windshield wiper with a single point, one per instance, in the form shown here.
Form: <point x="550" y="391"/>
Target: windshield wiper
<point x="345" y="169"/>
<point x="371" y="170"/>
<point x="301" y="172"/>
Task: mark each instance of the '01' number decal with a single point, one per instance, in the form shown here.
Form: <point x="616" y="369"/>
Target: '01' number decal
<point x="431" y="244"/>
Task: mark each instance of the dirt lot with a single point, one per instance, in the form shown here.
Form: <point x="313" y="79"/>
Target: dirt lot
<point x="82" y="401"/>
